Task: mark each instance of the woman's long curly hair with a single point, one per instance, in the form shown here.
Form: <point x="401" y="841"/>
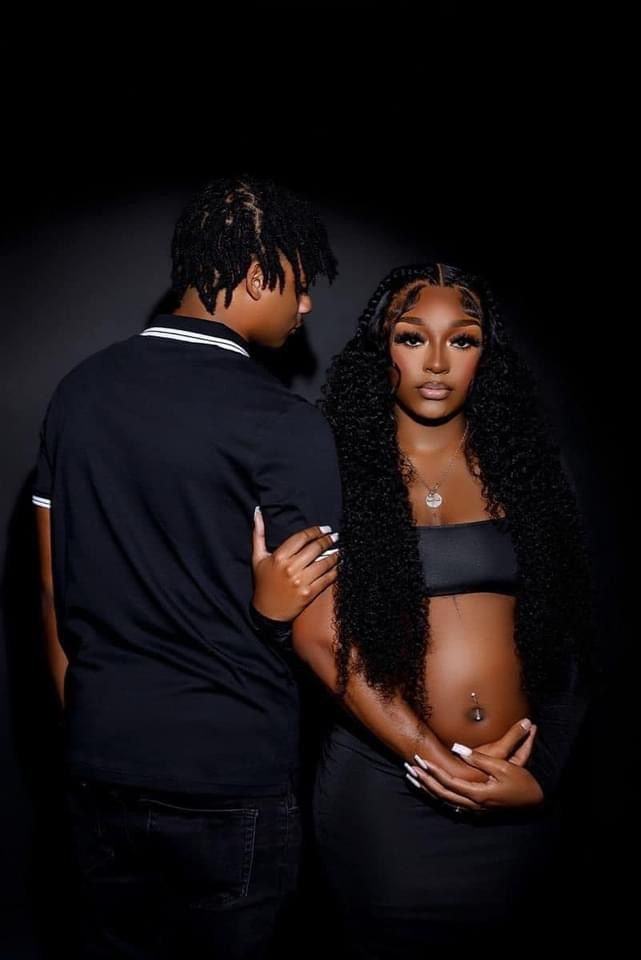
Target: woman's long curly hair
<point x="382" y="608"/>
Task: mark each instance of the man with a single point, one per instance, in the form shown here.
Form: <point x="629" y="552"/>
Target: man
<point x="180" y="720"/>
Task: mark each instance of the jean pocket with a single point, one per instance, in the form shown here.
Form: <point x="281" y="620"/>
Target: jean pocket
<point x="211" y="851"/>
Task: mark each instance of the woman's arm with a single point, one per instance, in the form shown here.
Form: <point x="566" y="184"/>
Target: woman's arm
<point x="559" y="722"/>
<point x="392" y="721"/>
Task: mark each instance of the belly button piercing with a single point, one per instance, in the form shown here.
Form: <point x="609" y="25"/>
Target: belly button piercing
<point x="477" y="712"/>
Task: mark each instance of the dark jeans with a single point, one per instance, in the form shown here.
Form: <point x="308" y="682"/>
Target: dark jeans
<point x="168" y="876"/>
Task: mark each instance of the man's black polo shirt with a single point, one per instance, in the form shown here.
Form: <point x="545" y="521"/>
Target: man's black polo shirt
<point x="154" y="454"/>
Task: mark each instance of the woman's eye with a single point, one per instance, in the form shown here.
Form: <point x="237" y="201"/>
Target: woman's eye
<point x="465" y="341"/>
<point x="410" y="339"/>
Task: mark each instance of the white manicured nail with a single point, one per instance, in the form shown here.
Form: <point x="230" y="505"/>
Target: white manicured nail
<point x="325" y="553"/>
<point x="334" y="537"/>
<point x="414" y="781"/>
<point x="325" y="529"/>
<point x="421" y="762"/>
<point x="461" y="749"/>
<point x="256" y="510"/>
<point x="526" y="724"/>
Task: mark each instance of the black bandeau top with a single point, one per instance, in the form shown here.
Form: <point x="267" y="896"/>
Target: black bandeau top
<point x="473" y="557"/>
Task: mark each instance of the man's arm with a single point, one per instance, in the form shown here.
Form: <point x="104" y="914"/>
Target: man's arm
<point x="55" y="654"/>
<point x="296" y="474"/>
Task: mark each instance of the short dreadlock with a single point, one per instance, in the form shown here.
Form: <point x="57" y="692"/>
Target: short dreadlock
<point x="236" y="220"/>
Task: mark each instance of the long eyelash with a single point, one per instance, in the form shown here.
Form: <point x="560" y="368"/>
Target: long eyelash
<point x="468" y="338"/>
<point x="407" y="336"/>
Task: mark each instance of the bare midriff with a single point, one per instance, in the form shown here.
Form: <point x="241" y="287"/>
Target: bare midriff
<point x="473" y="674"/>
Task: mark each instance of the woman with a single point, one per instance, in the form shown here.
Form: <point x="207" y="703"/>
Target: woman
<point x="461" y="604"/>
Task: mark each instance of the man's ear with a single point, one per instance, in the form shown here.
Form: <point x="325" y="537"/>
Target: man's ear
<point x="255" y="280"/>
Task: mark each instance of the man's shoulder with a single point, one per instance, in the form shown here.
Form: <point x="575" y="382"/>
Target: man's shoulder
<point x="92" y="368"/>
<point x="293" y="414"/>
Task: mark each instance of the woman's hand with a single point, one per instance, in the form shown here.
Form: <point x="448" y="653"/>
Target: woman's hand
<point x="288" y="579"/>
<point x="508" y="784"/>
<point x="509" y="746"/>
<point x="514" y="746"/>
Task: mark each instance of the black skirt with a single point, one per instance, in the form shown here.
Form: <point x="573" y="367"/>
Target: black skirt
<point x="405" y="872"/>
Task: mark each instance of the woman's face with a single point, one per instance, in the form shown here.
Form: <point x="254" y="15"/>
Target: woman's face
<point x="436" y="347"/>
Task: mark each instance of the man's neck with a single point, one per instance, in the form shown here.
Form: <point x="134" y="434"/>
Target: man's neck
<point x="192" y="306"/>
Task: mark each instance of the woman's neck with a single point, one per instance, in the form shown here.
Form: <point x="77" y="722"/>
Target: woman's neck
<point x="425" y="437"/>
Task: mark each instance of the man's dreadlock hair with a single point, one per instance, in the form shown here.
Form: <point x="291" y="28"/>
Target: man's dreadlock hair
<point x="236" y="220"/>
<point x="381" y="602"/>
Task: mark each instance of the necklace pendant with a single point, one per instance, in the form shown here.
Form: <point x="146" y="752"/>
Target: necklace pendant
<point x="433" y="500"/>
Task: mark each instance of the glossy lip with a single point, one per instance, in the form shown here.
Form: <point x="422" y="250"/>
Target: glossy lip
<point x="434" y="390"/>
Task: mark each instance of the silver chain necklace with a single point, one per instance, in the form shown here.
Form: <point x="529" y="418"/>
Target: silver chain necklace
<point x="434" y="499"/>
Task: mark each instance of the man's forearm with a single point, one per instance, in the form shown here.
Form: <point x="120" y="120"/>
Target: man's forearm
<point x="56" y="658"/>
<point x="54" y="653"/>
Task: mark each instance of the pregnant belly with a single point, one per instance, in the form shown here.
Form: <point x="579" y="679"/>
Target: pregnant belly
<point x="473" y="673"/>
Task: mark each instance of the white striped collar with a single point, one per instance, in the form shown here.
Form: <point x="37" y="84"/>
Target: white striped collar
<point x="189" y="336"/>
